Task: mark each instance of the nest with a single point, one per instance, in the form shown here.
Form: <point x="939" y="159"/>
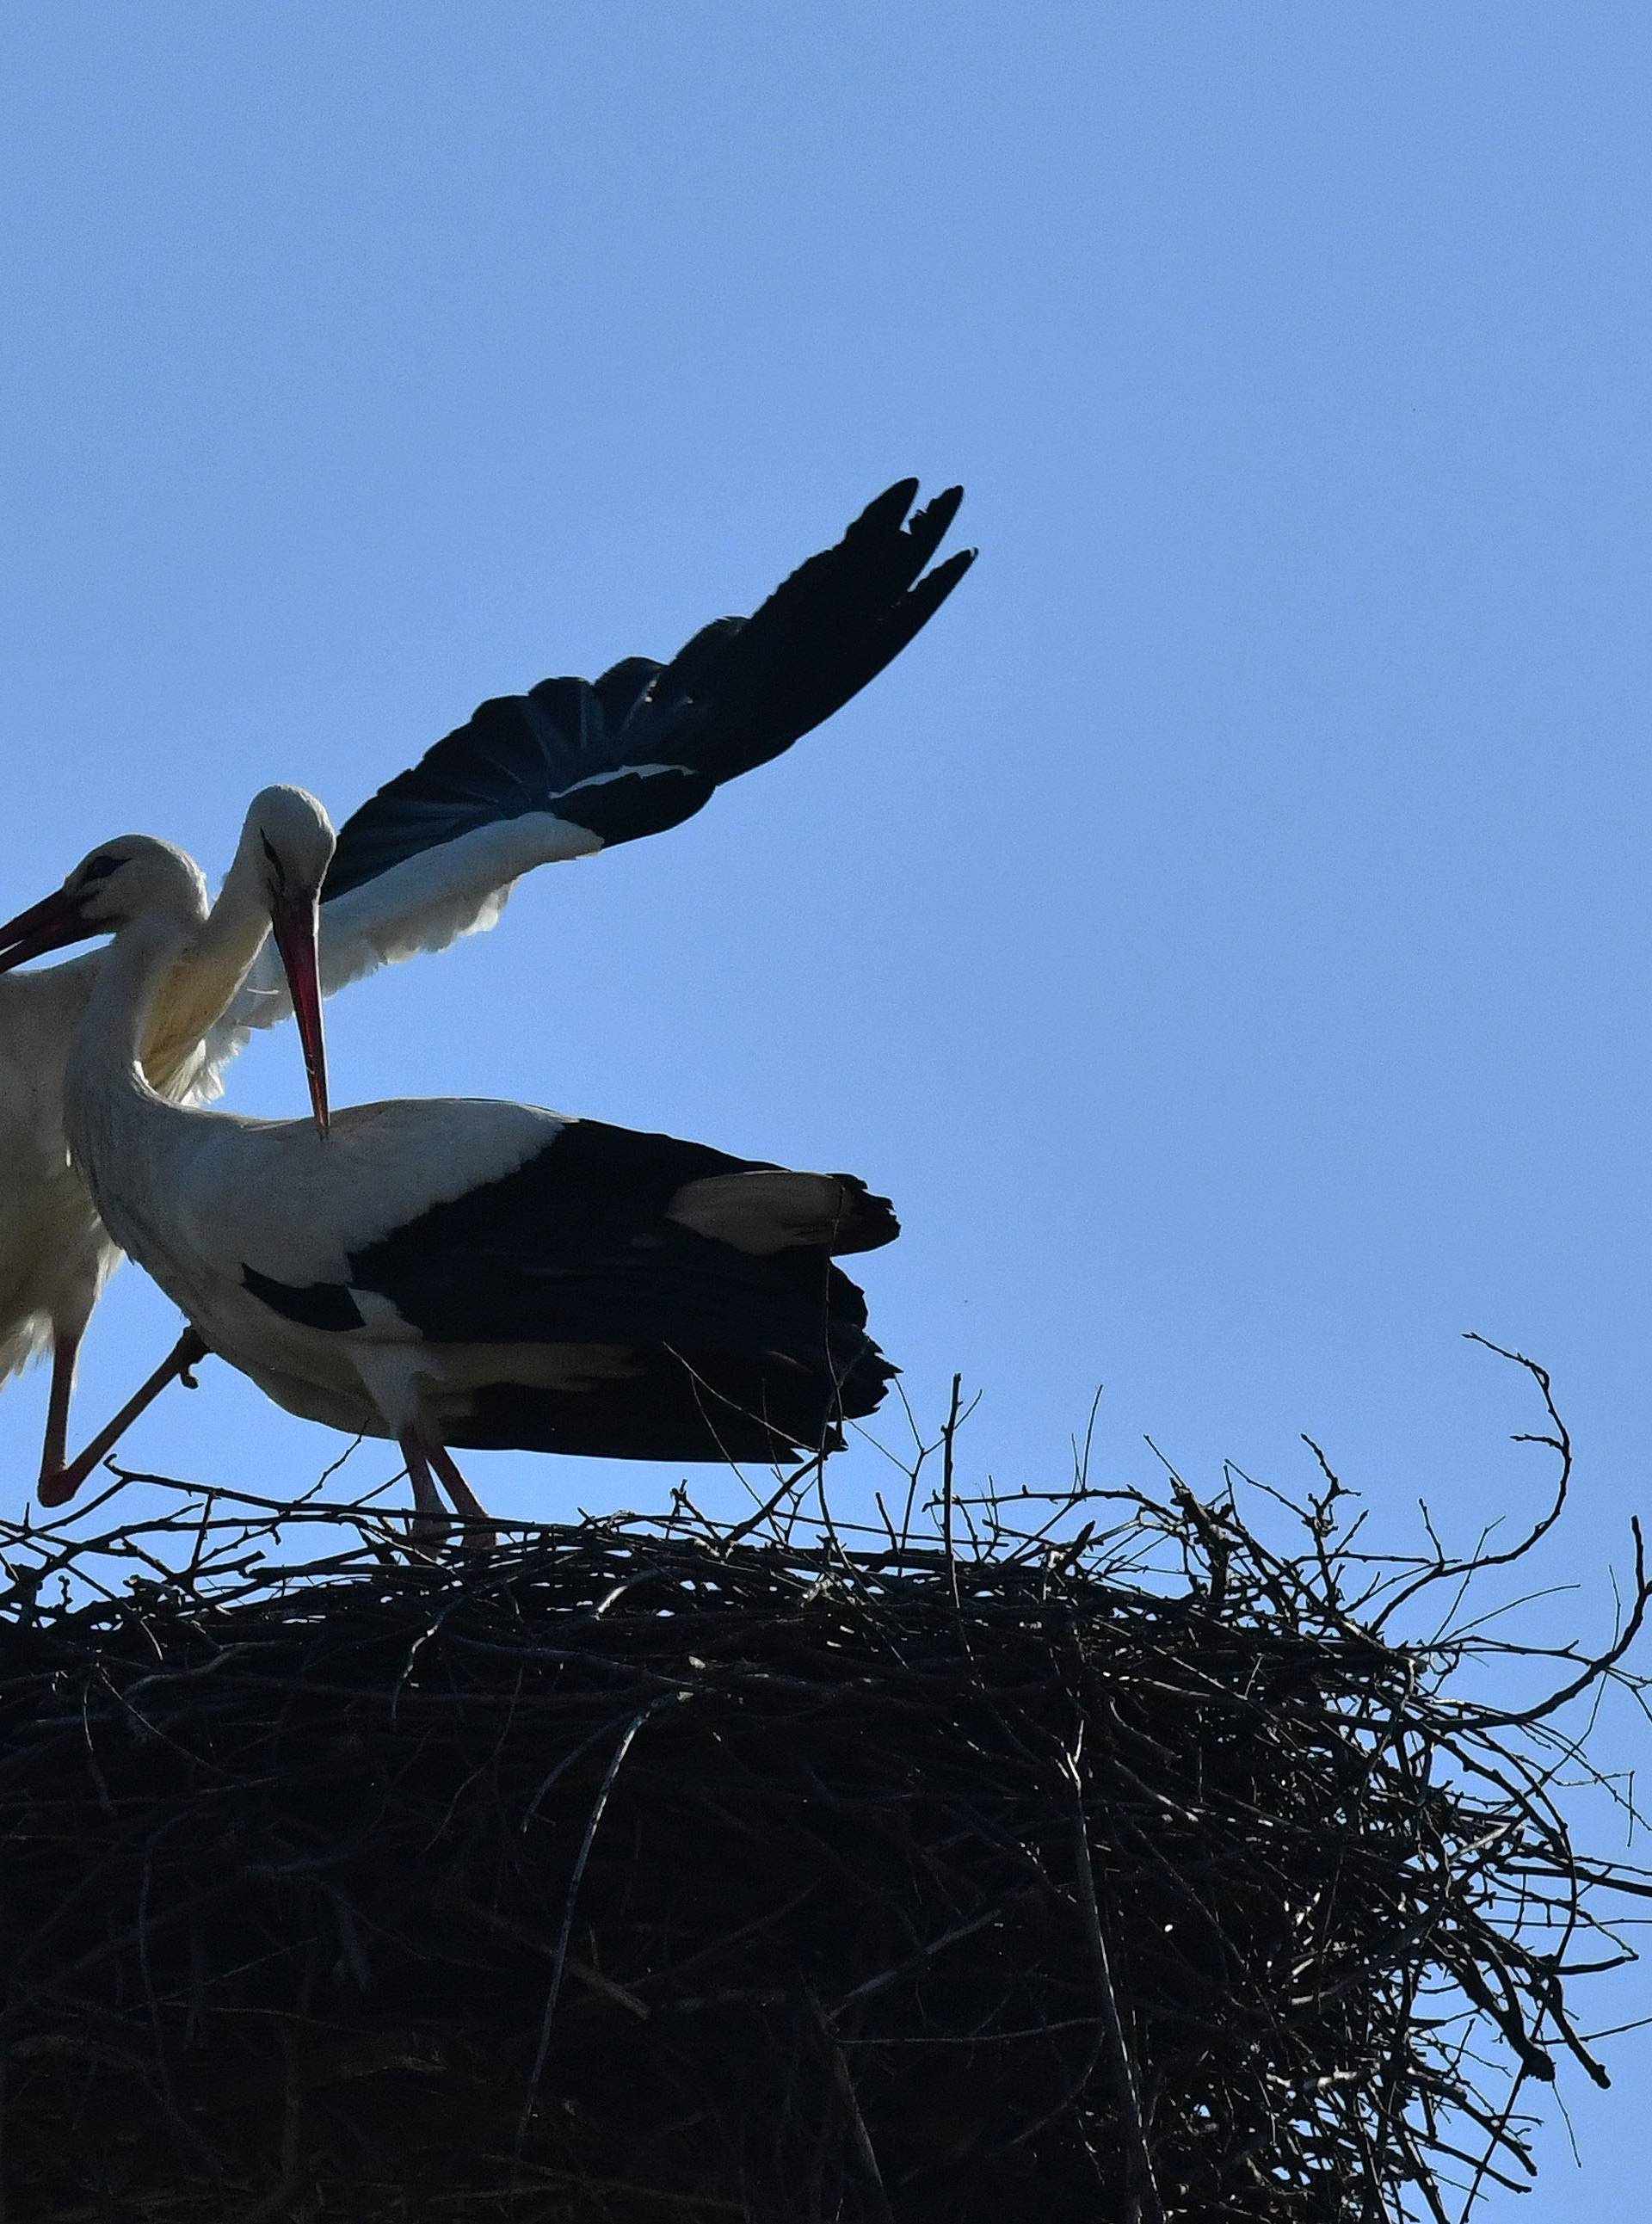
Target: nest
<point x="1084" y="1851"/>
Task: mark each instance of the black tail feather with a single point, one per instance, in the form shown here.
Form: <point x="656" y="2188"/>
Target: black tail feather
<point x="695" y="1405"/>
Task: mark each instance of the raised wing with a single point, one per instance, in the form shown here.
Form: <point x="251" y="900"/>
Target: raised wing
<point x="575" y="766"/>
<point x="644" y="746"/>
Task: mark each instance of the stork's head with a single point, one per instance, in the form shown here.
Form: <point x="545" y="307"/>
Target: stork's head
<point x="290" y="841"/>
<point x="133" y="877"/>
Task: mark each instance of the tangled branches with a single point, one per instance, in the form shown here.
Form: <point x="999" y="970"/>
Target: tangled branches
<point x="1094" y="1846"/>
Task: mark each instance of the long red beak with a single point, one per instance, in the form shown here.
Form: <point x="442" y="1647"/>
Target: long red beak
<point x="293" y="920"/>
<point x="51" y="924"/>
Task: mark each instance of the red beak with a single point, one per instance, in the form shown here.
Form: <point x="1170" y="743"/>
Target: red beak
<point x="51" y="924"/>
<point x="293" y="920"/>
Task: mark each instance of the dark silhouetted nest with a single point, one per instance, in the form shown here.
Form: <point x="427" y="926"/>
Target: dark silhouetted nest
<point x="980" y="1867"/>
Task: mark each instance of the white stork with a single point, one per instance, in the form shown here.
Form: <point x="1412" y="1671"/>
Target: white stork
<point x="453" y="1271"/>
<point x="569" y="768"/>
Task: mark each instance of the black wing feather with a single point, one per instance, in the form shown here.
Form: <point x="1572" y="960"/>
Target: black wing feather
<point x="738" y="1356"/>
<point x="576" y="1247"/>
<point x="643" y="748"/>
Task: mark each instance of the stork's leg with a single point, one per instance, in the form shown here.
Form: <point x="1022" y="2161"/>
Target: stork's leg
<point x="66" y="1350"/>
<point x="59" y="1483"/>
<point x="466" y="1504"/>
<point x="429" y="1461"/>
<point x="429" y="1517"/>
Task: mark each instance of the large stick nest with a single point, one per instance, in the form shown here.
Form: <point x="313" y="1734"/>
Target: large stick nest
<point x="652" y="1870"/>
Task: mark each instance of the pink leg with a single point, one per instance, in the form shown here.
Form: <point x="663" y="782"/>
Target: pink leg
<point x="66" y="1350"/>
<point x="466" y="1504"/>
<point x="426" y="1498"/>
<point x="429" y="1461"/>
<point x="59" y="1484"/>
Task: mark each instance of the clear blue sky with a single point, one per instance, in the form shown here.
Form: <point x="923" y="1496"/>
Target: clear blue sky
<point x="1224" y="933"/>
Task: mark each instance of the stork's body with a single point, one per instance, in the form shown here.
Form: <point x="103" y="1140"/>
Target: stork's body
<point x="569" y="768"/>
<point x="457" y="1271"/>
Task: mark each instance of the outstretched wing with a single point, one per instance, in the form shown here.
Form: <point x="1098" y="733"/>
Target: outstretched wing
<point x="575" y="766"/>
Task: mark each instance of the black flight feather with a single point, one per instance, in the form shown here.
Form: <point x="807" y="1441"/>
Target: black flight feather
<point x="644" y="746"/>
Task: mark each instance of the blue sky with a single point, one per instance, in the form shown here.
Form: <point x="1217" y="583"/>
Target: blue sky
<point x="1223" y="933"/>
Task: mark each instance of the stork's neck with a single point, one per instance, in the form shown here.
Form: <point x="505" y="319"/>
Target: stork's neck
<point x="207" y="971"/>
<point x="105" y="1096"/>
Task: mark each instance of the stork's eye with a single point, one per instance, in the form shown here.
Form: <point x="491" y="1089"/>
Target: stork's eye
<point x="277" y="870"/>
<point x="98" y="869"/>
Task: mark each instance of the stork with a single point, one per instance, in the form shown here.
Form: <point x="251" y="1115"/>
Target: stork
<point x="569" y="768"/>
<point x="453" y="1271"/>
